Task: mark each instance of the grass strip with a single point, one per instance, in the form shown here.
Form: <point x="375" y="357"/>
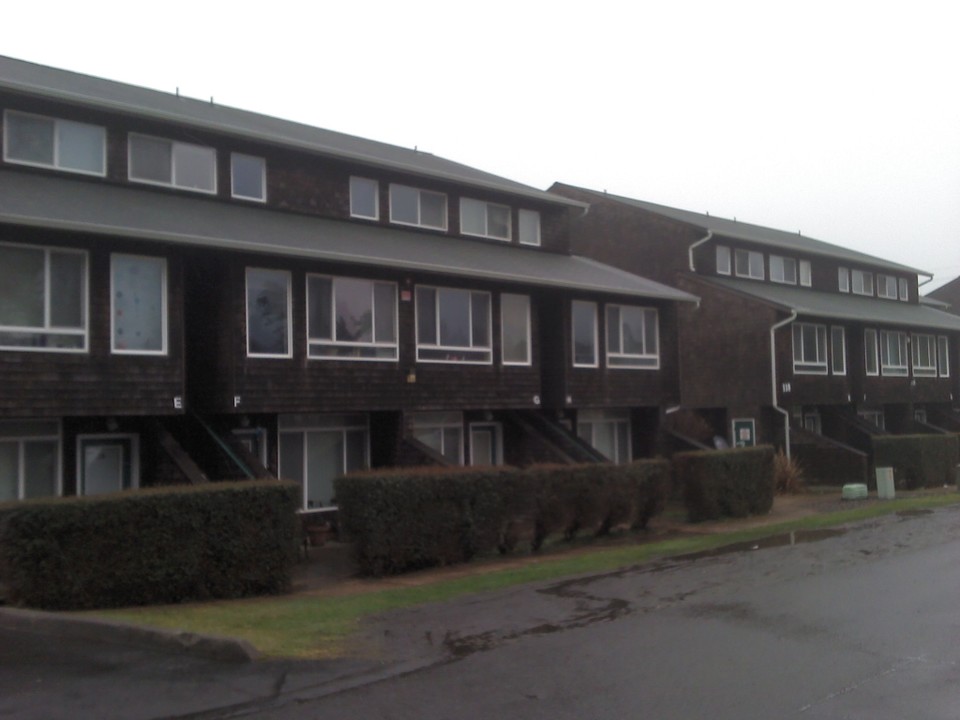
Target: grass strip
<point x="320" y="625"/>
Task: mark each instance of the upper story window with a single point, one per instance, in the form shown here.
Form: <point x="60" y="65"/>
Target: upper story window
<point x="809" y="348"/>
<point x="29" y="459"/>
<point x="349" y="318"/>
<point x="871" y="358"/>
<point x="843" y="279"/>
<point x="268" y="313"/>
<point x="723" y="260"/>
<point x="862" y="282"/>
<point x="528" y="227"/>
<point x="806" y="273"/>
<point x="412" y="206"/>
<point x="167" y="162"/>
<point x="632" y="337"/>
<point x="453" y="325"/>
<point x="783" y="269"/>
<point x="138" y="304"/>
<point x="904" y="287"/>
<point x="364" y="198"/>
<point x="943" y="356"/>
<point x="887" y="286"/>
<point x="248" y="177"/>
<point x="749" y="264"/>
<point x="484" y="219"/>
<point x="43" y="298"/>
<point x="924" y="351"/>
<point x="515" y="329"/>
<point x="54" y="143"/>
<point x="838" y="350"/>
<point x="584" y="318"/>
<point x="893" y="352"/>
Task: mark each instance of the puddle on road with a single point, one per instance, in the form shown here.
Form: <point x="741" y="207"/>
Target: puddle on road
<point x="795" y="537"/>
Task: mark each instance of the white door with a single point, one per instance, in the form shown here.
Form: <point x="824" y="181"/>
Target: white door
<point x="486" y="444"/>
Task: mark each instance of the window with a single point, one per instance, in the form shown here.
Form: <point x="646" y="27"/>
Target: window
<point x="484" y="219"/>
<point x="870" y="357"/>
<point x="441" y="431"/>
<point x="411" y="206"/>
<point x="632" y="337"/>
<point x="165" y="162"/>
<point x="943" y="356"/>
<point x="893" y="353"/>
<point x="315" y="449"/>
<point x="723" y="260"/>
<point x="515" y="329"/>
<point x="838" y="351"/>
<point x="607" y="431"/>
<point x="29" y="459"/>
<point x="904" y="289"/>
<point x="364" y="198"/>
<point x="486" y="444"/>
<point x="924" y="351"/>
<point x="248" y="177"/>
<point x="812" y="422"/>
<point x="584" y="316"/>
<point x="52" y="143"/>
<point x="453" y="325"/>
<point x="809" y="348"/>
<point x="529" y="227"/>
<point x="783" y="269"/>
<point x="43" y="299"/>
<point x="843" y="279"/>
<point x="138" y="310"/>
<point x="862" y="282"/>
<point x="107" y="463"/>
<point x="920" y="415"/>
<point x="806" y="273"/>
<point x="268" y="313"/>
<point x="887" y="286"/>
<point x="874" y="417"/>
<point x="351" y="319"/>
<point x="749" y="264"/>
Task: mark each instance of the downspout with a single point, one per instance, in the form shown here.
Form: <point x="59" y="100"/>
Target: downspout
<point x="773" y="378"/>
<point x="698" y="243"/>
<point x="928" y="280"/>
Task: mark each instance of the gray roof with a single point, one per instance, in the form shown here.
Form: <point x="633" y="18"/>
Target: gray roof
<point x="54" y="201"/>
<point x="47" y="82"/>
<point x="840" y="306"/>
<point x="769" y="237"/>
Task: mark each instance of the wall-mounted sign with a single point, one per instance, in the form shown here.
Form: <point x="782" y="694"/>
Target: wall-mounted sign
<point x="744" y="432"/>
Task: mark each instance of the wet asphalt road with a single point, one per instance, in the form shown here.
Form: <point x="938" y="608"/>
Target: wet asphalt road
<point x="864" y="624"/>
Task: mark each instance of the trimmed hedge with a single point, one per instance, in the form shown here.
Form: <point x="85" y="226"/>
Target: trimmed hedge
<point x="409" y="518"/>
<point x="163" y="545"/>
<point x="918" y="460"/>
<point x="735" y="483"/>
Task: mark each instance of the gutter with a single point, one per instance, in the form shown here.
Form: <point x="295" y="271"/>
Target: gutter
<point x="928" y="280"/>
<point x="773" y="378"/>
<point x="697" y="244"/>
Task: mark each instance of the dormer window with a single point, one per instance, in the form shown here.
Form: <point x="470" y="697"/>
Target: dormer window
<point x="723" y="260"/>
<point x="806" y="273"/>
<point x="484" y="219"/>
<point x="412" y="206"/>
<point x="52" y="143"/>
<point x="783" y="270"/>
<point x="364" y="198"/>
<point x="843" y="279"/>
<point x="248" y="177"/>
<point x="749" y="264"/>
<point x="529" y="227"/>
<point x="904" y="289"/>
<point x="167" y="162"/>
<point x="862" y="282"/>
<point x="887" y="287"/>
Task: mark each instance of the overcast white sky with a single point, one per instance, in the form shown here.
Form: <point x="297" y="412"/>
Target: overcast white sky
<point x="838" y="119"/>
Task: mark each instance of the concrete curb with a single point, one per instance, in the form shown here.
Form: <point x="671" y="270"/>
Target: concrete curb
<point x="54" y="624"/>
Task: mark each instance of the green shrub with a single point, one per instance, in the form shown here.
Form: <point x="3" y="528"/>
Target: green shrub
<point x="735" y="483"/>
<point x="167" y="545"/>
<point x="918" y="460"/>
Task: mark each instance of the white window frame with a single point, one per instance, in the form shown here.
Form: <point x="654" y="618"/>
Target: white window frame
<point x="754" y="263"/>
<point x="592" y="418"/>
<point x="871" y="353"/>
<point x="943" y="356"/>
<point x="903" y="289"/>
<point x="532" y="221"/>
<point x="887" y="367"/>
<point x="875" y="417"/>
<point x="453" y="350"/>
<point x="48" y="329"/>
<point x="174" y="144"/>
<point x="334" y="343"/>
<point x="838" y="350"/>
<point x="616" y="357"/>
<point x="861" y="282"/>
<point x="573" y="334"/>
<point x="723" y="260"/>
<point x="918" y="343"/>
<point x="134" y="458"/>
<point x="246" y="311"/>
<point x="805" y="271"/>
<point x="886" y="286"/>
<point x="21" y="439"/>
<point x="443" y="420"/>
<point x="843" y="279"/>
<point x="420" y="193"/>
<point x="56" y="163"/>
<point x="496" y="430"/>
<point x="262" y="198"/>
<point x="356" y="182"/>
<point x="778" y="270"/>
<point x="163" y="306"/>
<point x="487" y="207"/>
<point x="802" y="365"/>
<point x="503" y="340"/>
